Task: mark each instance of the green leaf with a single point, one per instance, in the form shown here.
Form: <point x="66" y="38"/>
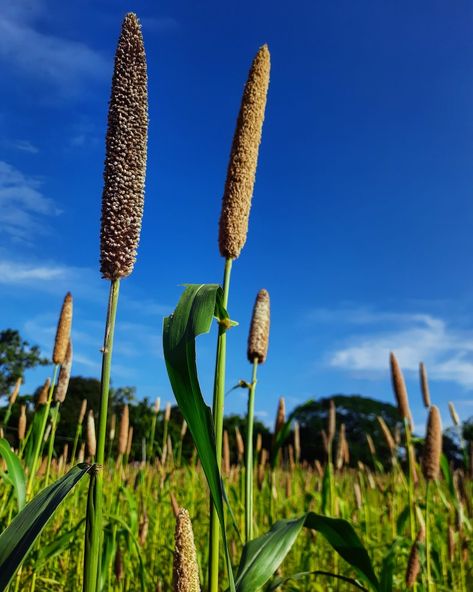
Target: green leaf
<point x="15" y="474"/>
<point x="341" y="535"/>
<point x="304" y="574"/>
<point x="262" y="556"/>
<point x="193" y="316"/>
<point x="447" y="474"/>
<point x="17" y="539"/>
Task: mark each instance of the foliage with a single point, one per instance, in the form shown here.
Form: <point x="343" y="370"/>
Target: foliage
<point x="16" y="356"/>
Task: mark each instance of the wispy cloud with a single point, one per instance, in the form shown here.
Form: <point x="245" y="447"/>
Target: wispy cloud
<point x="414" y="337"/>
<point x="25" y="146"/>
<point x="65" y="63"/>
<point x="23" y="207"/>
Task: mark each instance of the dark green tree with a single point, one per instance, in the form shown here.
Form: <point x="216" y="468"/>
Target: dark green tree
<point x="359" y="416"/>
<point x="16" y="356"/>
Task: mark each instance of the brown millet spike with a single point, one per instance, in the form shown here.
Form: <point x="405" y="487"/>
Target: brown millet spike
<point x="15" y="391"/>
<point x="331" y="422"/>
<point x="236" y="201"/>
<point x="63" y="331"/>
<point x="424" y="385"/>
<point x="125" y="160"/>
<point x="22" y="423"/>
<point x="185" y="568"/>
<point x="280" y="417"/>
<point x="64" y="375"/>
<point x="258" y="337"/>
<point x="413" y="563"/>
<point x="123" y="434"/>
<point x="387" y="434"/>
<point x="433" y="445"/>
<point x="83" y="409"/>
<point x="400" y="390"/>
<point x="43" y="393"/>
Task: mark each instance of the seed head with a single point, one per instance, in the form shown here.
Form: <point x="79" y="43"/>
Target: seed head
<point x="43" y="393"/>
<point x="63" y="331"/>
<point x="413" y="563"/>
<point x="241" y="171"/>
<point x="15" y="391"/>
<point x="91" y="440"/>
<point x="297" y="441"/>
<point x="239" y="444"/>
<point x="433" y="445"/>
<point x="123" y="434"/>
<point x="280" y="416"/>
<point x="387" y="434"/>
<point x="332" y="421"/>
<point x="185" y="568"/>
<point x="400" y="390"/>
<point x="64" y="375"/>
<point x="83" y="409"/>
<point x="22" y="423"/>
<point x="125" y="160"/>
<point x="157" y="405"/>
<point x="129" y="441"/>
<point x="453" y="414"/>
<point x="167" y="412"/>
<point x="424" y="385"/>
<point x="259" y="329"/>
<point x="226" y="453"/>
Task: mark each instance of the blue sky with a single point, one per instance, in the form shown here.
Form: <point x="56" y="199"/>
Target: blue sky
<point x="361" y="224"/>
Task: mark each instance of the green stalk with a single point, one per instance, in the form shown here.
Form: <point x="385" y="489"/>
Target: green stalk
<point x="218" y="408"/>
<point x="95" y="505"/>
<point x="76" y="441"/>
<point x="7" y="415"/>
<point x="249" y="457"/>
<point x="39" y="441"/>
<point x="427" y="534"/>
<point x="410" y="481"/>
<point x="54" y="417"/>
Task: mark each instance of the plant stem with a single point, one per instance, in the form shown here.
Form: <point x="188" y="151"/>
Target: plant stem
<point x="92" y="560"/>
<point x="218" y="407"/>
<point x="427" y="533"/>
<point x="76" y="441"/>
<point x="410" y="464"/>
<point x="249" y="456"/>
<point x="39" y="441"/>
<point x="54" y="418"/>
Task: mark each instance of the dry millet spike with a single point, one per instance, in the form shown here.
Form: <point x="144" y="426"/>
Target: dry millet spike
<point x="258" y="337"/>
<point x="185" y="568"/>
<point x="236" y="201"/>
<point x="63" y="331"/>
<point x="424" y="385"/>
<point x="123" y="434"/>
<point x="433" y="445"/>
<point x="400" y="390"/>
<point x="126" y="151"/>
<point x="64" y="375"/>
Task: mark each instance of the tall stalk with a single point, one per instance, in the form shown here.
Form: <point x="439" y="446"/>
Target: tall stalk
<point x="218" y="410"/>
<point x="39" y="441"/>
<point x="249" y="456"/>
<point x="91" y="564"/>
<point x="427" y="534"/>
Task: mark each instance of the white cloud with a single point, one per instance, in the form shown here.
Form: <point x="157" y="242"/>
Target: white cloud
<point x="65" y="63"/>
<point x="25" y="146"/>
<point x="447" y="351"/>
<point x="11" y="273"/>
<point x="22" y="205"/>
